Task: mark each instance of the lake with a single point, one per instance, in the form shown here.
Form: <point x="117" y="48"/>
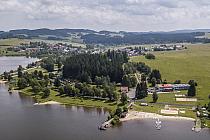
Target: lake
<point x="20" y="120"/>
<point x="12" y="63"/>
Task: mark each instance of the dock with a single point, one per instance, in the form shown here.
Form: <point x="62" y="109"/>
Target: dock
<point x="106" y="125"/>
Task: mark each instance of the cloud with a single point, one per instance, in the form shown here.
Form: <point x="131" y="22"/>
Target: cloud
<point x="132" y="15"/>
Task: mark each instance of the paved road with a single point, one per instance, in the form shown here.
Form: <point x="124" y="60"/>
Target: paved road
<point x="131" y="93"/>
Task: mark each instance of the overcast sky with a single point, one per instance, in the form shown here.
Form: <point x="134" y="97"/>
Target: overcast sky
<point x="115" y="15"/>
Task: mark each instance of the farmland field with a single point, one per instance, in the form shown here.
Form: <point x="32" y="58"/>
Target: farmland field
<point x="59" y="41"/>
<point x="6" y="43"/>
<point x="11" y="42"/>
<point x="190" y="64"/>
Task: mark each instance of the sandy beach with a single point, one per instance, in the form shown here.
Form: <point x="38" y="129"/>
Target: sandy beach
<point x="2" y="82"/>
<point x="135" y="115"/>
<point x="48" y="103"/>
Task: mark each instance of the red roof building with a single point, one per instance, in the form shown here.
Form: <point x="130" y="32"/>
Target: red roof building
<point x="165" y="87"/>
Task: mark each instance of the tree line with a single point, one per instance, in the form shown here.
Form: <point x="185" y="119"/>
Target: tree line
<point x="85" y="67"/>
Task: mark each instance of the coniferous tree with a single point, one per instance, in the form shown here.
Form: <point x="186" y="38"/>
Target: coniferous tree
<point x="61" y="90"/>
<point x="126" y="81"/>
<point x="209" y="107"/>
<point x="155" y="97"/>
<point x="40" y="74"/>
<point x="46" y="93"/>
<point x="155" y="74"/>
<point x="192" y="89"/>
<point x="20" y="73"/>
<point x="48" y="64"/>
<point x="57" y="82"/>
<point x="124" y="98"/>
<point x="141" y="90"/>
<point x="22" y="83"/>
<point x="153" y="82"/>
<point x="133" y="81"/>
<point x="143" y="77"/>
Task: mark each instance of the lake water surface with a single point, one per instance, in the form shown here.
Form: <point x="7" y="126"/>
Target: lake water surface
<point x="20" y="120"/>
<point x="12" y="63"/>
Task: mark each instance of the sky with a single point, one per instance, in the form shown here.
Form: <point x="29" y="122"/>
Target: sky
<point x="113" y="15"/>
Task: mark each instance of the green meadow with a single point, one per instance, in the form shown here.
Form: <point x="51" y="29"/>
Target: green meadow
<point x="6" y="43"/>
<point x="11" y="42"/>
<point x="190" y="64"/>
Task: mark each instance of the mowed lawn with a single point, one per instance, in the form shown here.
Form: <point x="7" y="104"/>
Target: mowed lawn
<point x="193" y="63"/>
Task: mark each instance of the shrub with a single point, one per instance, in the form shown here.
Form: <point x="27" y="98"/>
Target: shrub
<point x="177" y="82"/>
<point x="115" y="120"/>
<point x="150" y="56"/>
<point x="155" y="97"/>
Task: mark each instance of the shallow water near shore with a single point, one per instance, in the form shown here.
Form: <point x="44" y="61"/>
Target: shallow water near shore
<point x="21" y="120"/>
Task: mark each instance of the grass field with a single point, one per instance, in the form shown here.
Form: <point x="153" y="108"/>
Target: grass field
<point x="11" y="42"/>
<point x="193" y="63"/>
<point x="58" y="41"/>
<point x="6" y="43"/>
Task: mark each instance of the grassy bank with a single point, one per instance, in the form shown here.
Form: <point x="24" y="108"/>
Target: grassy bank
<point x="77" y="101"/>
<point x="6" y="43"/>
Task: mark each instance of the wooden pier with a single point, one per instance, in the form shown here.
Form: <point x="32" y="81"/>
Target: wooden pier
<point x="106" y="125"/>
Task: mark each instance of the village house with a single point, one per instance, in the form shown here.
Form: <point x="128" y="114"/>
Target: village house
<point x="124" y="89"/>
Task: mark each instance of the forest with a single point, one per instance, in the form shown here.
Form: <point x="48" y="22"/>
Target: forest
<point x="147" y="38"/>
<point x="85" y="67"/>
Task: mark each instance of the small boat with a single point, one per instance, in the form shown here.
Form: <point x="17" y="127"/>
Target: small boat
<point x="158" y="124"/>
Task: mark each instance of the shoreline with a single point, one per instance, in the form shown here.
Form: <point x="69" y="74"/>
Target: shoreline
<point x="49" y="103"/>
<point x="135" y="115"/>
<point x="53" y="102"/>
<point x="132" y="115"/>
<point x="3" y="82"/>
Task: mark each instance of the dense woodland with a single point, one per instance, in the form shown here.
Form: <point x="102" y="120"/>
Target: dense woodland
<point x="147" y="38"/>
<point x="85" y="67"/>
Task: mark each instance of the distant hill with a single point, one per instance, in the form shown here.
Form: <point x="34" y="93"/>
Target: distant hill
<point x="191" y="31"/>
<point x="44" y="31"/>
<point x="146" y="38"/>
<point x="109" y="37"/>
